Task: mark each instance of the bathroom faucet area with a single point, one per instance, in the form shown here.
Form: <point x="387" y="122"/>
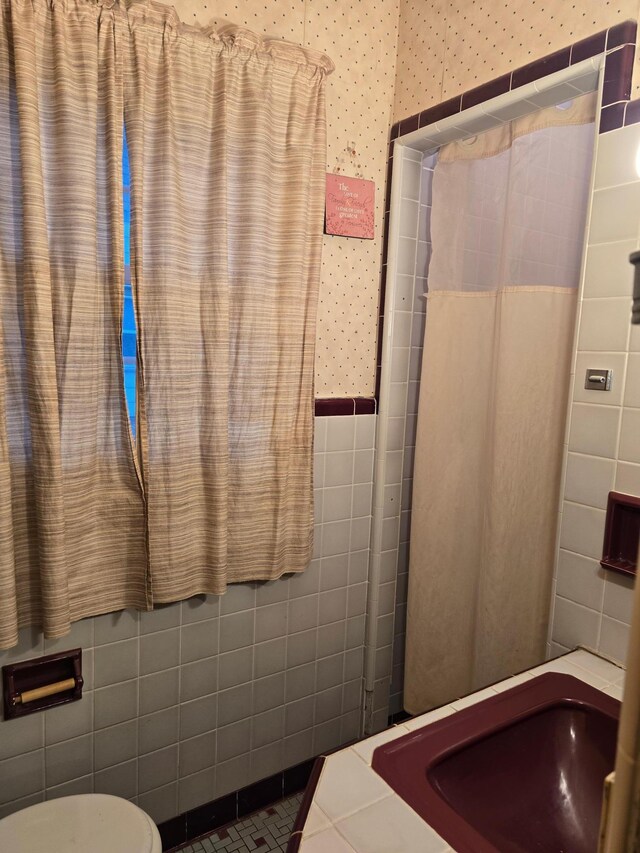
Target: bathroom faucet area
<point x="319" y="427"/>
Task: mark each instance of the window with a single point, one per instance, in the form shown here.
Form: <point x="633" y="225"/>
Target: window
<point x="128" y="314"/>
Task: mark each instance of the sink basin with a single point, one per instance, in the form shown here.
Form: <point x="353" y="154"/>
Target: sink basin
<point x="519" y="772"/>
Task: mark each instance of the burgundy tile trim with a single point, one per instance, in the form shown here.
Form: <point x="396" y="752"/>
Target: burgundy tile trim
<point x="395" y="131"/>
<point x="618" y="68"/>
<point x="334" y="406"/>
<point x="259" y="795"/>
<point x="407" y="125"/>
<point x="378" y="377"/>
<point x="387" y="197"/>
<point x="612" y="117"/>
<point x="365" y="405"/>
<point x="307" y="799"/>
<point x="380" y="329"/>
<point x="385" y="239"/>
<point x="208" y="817"/>
<point x="541" y="67"/>
<point x="440" y="111"/>
<point x="173" y="832"/>
<point x="295" y="778"/>
<point x="489" y="90"/>
<point x="383" y="295"/>
<point x="624" y="33"/>
<point x="212" y="815"/>
<point x="337" y="406"/>
<point x="586" y="48"/>
<point x="632" y="113"/>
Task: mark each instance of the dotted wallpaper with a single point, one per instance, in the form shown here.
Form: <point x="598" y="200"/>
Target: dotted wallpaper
<point x="448" y="46"/>
<point x="430" y="50"/>
<point x="361" y="38"/>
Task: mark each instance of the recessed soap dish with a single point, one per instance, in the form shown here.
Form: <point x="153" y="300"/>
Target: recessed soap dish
<point x="621" y="534"/>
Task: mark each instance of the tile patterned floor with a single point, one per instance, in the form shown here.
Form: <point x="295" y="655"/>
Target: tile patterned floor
<point x="261" y="832"/>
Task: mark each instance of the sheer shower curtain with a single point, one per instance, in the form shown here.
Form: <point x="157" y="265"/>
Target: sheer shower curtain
<point x="507" y="229"/>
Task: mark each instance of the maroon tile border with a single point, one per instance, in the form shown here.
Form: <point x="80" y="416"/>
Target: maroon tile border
<point x="623" y="33"/>
<point x="440" y="111"/>
<point x="618" y="41"/>
<point x="541" y="67"/>
<point x="205" y="819"/>
<point x="618" y="69"/>
<point x="591" y="46"/>
<point x="482" y="93"/>
<point x="632" y="112"/>
<point x="611" y="117"/>
<point x="333" y="406"/>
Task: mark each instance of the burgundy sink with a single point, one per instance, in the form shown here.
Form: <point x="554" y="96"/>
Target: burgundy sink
<point x="517" y="773"/>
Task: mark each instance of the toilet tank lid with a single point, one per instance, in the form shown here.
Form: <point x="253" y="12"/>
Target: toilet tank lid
<point x="97" y="822"/>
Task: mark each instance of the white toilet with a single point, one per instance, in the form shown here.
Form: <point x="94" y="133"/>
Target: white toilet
<point x="85" y="823"/>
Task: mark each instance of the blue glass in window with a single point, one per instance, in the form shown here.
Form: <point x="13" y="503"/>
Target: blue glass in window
<point x="128" y="314"/>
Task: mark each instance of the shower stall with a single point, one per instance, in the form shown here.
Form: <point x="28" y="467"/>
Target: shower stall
<point x="485" y="256"/>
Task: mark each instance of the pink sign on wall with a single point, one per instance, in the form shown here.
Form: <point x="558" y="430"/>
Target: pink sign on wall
<point x="349" y="207"/>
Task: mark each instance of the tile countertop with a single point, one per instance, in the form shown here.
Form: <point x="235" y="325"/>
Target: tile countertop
<point x="355" y="811"/>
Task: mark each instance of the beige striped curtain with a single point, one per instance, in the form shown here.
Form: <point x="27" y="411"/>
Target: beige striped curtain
<point x="226" y="135"/>
<point x="227" y="143"/>
<point x="71" y="512"/>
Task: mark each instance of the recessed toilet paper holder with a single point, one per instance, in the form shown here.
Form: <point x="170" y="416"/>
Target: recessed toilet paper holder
<point x="40" y="683"/>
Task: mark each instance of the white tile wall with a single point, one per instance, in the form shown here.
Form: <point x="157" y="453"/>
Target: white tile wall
<point x="405" y="317"/>
<point x="191" y="701"/>
<point x="591" y="606"/>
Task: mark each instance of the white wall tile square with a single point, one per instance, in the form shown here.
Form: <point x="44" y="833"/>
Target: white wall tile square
<point x="402" y="321"/>
<point x="580" y="579"/>
<point x="574" y="624"/>
<point x="615" y="214"/>
<point x="403" y="299"/>
<point x="589" y="479"/>
<point x="409" y="213"/>
<point x="400" y="364"/>
<point x="365" y="431"/>
<point x="628" y="478"/>
<point x="617" y="157"/>
<point x="614" y="639"/>
<point x="338" y="468"/>
<point x="630" y="436"/>
<point x="594" y="429"/>
<point x="340" y="433"/>
<point x="608" y="271"/>
<point x="582" y="529"/>
<point x="618" y="597"/>
<point x="410" y="182"/>
<point x="406" y="257"/>
<point x="604" y="325"/>
<point x="320" y="434"/>
<point x="632" y="382"/>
